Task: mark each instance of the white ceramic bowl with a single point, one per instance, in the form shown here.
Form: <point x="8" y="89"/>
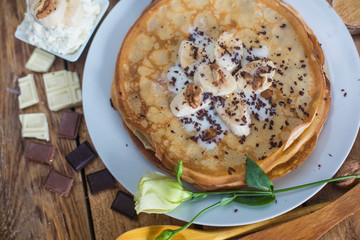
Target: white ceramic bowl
<point x="104" y="4"/>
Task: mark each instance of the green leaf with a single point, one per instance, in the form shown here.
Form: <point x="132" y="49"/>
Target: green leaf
<point x="226" y="201"/>
<point x="256" y="177"/>
<point x="179" y="170"/>
<point x="255" y="201"/>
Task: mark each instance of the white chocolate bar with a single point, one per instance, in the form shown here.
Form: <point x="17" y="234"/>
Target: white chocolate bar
<point x="34" y="125"/>
<point x="40" y="61"/>
<point x="62" y="89"/>
<point x="28" y="96"/>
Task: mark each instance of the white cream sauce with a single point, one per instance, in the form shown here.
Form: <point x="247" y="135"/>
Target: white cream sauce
<point x="177" y="78"/>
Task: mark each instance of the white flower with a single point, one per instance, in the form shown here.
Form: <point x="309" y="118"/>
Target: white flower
<point x="158" y="193"/>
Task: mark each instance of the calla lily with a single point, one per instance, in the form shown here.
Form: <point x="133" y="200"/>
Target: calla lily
<point x="158" y="193"/>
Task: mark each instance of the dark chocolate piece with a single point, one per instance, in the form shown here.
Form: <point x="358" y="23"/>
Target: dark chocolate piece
<point x="56" y="182"/>
<point x="101" y="180"/>
<point x="81" y="156"/>
<point x="124" y="204"/>
<point x="69" y="125"/>
<point x="41" y="153"/>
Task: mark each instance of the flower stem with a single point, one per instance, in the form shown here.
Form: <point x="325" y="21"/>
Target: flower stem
<point x="316" y="183"/>
<point x="197" y="215"/>
<point x="253" y="193"/>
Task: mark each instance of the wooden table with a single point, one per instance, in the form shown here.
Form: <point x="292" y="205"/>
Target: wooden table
<point x="28" y="211"/>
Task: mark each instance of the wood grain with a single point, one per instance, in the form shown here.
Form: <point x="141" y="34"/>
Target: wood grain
<point x="313" y="226"/>
<point x="27" y="211"/>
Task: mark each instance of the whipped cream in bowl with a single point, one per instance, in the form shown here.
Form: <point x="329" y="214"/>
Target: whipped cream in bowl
<point x="61" y="27"/>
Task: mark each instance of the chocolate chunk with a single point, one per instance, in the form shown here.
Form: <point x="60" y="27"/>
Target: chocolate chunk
<point x="81" y="156"/>
<point x="41" y="153"/>
<point x="56" y="182"/>
<point x="69" y="125"/>
<point x="124" y="204"/>
<point x="100" y="180"/>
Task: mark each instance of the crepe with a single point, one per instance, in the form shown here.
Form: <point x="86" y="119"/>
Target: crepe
<point x="283" y="130"/>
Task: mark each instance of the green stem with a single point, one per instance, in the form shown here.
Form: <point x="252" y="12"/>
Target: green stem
<point x="316" y="183"/>
<point x="179" y="180"/>
<point x="264" y="193"/>
<point x="255" y="193"/>
<point x="198" y="215"/>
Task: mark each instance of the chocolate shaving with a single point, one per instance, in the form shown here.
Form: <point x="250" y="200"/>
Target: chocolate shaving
<point x="231" y="170"/>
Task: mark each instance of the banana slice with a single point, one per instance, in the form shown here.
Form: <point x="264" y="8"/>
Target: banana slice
<point x="256" y="76"/>
<point x="234" y="113"/>
<point x="188" y="101"/>
<point x="215" y="79"/>
<point x="204" y="41"/>
<point x="228" y="51"/>
<point x="190" y="56"/>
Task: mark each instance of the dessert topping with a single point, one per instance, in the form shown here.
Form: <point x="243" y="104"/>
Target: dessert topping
<point x="209" y="134"/>
<point x="188" y="101"/>
<point x="190" y="56"/>
<point x="234" y="113"/>
<point x="214" y="79"/>
<point x="219" y="75"/>
<point x="256" y="76"/>
<point x="193" y="94"/>
<point x="222" y="94"/>
<point x="228" y="51"/>
<point x="45" y="8"/>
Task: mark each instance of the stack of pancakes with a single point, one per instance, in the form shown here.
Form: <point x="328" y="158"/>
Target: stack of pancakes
<point x="299" y="94"/>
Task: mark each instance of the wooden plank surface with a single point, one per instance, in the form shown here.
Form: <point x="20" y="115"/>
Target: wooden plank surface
<point x="27" y="211"/>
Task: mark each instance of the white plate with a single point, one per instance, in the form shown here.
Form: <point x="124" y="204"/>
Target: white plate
<point x="127" y="164"/>
<point x="104" y="4"/>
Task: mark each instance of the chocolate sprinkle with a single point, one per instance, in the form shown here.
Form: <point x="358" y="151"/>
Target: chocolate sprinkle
<point x="231" y="170"/>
